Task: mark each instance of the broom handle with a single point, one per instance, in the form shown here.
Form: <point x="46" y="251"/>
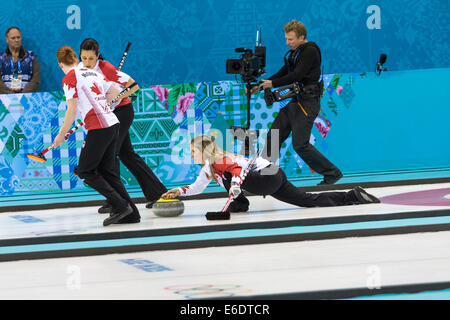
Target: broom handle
<point x="124" y="56"/>
<point x="78" y="126"/>
<point x="122" y="93"/>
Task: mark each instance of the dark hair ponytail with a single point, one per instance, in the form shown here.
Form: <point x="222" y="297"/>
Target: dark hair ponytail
<point x="91" y="44"/>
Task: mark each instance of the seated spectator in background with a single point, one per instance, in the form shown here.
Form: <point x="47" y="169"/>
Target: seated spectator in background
<point x="19" y="68"/>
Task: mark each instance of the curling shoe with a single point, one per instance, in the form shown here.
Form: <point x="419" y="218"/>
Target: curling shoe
<point x="106" y="208"/>
<point x="364" y="197"/>
<point x="117" y="215"/>
<point x="135" y="217"/>
<point x="238" y="206"/>
<point x="150" y="204"/>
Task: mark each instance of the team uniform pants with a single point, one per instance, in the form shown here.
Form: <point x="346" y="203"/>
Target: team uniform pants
<point x="96" y="166"/>
<point x="273" y="181"/>
<point x="299" y="119"/>
<point x="150" y="184"/>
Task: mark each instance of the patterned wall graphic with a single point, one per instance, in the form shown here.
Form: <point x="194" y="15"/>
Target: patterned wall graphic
<point x="177" y="41"/>
<point x="168" y="116"/>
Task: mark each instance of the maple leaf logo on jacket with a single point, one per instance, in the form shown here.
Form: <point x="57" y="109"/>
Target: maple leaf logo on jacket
<point x="95" y="89"/>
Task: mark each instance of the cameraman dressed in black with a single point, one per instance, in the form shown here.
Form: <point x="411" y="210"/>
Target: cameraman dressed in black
<point x="303" y="66"/>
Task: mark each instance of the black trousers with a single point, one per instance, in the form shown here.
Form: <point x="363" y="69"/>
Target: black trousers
<point x="150" y="184"/>
<point x="292" y="118"/>
<point x="96" y="166"/>
<point x="273" y="181"/>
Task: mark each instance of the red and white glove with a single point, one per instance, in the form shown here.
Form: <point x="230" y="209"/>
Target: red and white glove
<point x="235" y="190"/>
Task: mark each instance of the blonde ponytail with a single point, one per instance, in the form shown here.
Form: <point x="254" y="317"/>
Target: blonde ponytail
<point x="210" y="151"/>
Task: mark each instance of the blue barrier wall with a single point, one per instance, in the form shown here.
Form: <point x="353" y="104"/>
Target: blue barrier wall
<point x="176" y="41"/>
<point x="368" y="124"/>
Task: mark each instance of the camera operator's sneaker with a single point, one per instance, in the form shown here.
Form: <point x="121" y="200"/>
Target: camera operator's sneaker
<point x="331" y="179"/>
<point x="364" y="197"/>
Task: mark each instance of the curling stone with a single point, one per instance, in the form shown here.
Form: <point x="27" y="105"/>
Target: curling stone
<point x="168" y="208"/>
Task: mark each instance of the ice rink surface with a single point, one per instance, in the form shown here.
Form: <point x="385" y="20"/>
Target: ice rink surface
<point x="398" y="249"/>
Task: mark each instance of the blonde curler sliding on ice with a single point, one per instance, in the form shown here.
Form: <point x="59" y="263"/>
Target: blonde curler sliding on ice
<point x="214" y="154"/>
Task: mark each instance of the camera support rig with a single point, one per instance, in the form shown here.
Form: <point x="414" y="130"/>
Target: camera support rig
<point x="249" y="137"/>
<point x="274" y="96"/>
<point x="250" y="67"/>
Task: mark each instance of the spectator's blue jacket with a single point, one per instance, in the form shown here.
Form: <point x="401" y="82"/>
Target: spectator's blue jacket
<point x="26" y="58"/>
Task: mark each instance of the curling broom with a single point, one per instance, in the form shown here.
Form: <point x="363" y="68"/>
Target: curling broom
<point x="224" y="214"/>
<point x="40" y="157"/>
